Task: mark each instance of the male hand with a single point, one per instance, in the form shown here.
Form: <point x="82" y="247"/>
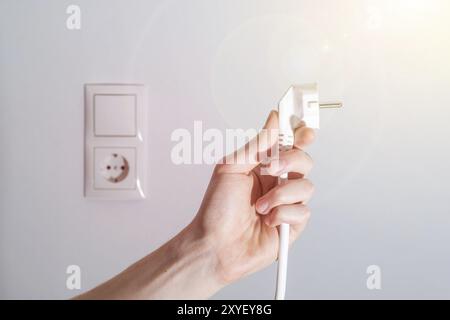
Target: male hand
<point x="243" y="206"/>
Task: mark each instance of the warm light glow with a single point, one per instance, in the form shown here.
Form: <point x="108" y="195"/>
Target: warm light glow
<point x="414" y="7"/>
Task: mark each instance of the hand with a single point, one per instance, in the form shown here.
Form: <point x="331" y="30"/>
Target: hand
<point x="242" y="207"/>
<point x="234" y="232"/>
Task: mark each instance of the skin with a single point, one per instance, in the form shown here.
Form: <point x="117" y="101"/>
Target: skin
<point x="234" y="233"/>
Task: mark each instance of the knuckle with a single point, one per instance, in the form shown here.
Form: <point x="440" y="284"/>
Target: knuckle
<point x="221" y="168"/>
<point x="307" y="213"/>
<point x="309" y="186"/>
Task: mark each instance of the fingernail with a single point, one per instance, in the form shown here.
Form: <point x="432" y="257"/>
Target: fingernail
<point x="262" y="206"/>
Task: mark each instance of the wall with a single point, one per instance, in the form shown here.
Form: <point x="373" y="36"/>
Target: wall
<point x="381" y="170"/>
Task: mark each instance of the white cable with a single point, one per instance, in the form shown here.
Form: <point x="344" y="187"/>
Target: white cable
<point x="297" y="105"/>
<point x="287" y="109"/>
<point x="283" y="253"/>
<point x="300" y="105"/>
<point x="283" y="247"/>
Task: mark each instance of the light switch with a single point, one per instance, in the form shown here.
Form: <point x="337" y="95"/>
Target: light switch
<point x="115" y="115"/>
<point x="115" y="141"/>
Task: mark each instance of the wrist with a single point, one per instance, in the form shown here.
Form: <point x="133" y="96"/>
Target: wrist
<point x="183" y="268"/>
<point x="195" y="255"/>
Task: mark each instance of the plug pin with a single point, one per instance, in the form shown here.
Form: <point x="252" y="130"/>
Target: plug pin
<point x="330" y="105"/>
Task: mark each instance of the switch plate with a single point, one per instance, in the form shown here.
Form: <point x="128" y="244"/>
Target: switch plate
<point x="115" y="115"/>
<point x="115" y="141"/>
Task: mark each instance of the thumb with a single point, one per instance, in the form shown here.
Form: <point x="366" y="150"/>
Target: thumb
<point x="250" y="156"/>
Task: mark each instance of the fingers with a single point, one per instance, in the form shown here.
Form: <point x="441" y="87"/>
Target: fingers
<point x="293" y="161"/>
<point x="290" y="192"/>
<point x="303" y="137"/>
<point x="295" y="214"/>
<point x="246" y="159"/>
<point x="296" y="230"/>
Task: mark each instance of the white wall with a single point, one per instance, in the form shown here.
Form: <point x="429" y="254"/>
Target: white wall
<point x="381" y="163"/>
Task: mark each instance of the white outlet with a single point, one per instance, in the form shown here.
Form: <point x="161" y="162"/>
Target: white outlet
<point x="115" y="168"/>
<point x="115" y="141"/>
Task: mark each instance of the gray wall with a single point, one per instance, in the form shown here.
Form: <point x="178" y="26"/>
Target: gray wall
<point x="381" y="163"/>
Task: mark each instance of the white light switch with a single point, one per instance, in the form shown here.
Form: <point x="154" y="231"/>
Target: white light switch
<point x="115" y="115"/>
<point x="115" y="141"/>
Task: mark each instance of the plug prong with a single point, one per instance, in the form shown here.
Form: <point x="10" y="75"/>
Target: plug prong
<point x="330" y="105"/>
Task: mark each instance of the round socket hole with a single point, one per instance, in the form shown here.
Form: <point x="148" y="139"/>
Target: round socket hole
<point x="115" y="168"/>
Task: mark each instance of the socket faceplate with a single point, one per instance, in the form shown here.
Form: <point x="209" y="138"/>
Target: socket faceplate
<point x="115" y="141"/>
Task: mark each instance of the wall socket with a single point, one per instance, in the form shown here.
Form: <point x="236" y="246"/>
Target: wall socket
<point x="114" y="168"/>
<point x="115" y="141"/>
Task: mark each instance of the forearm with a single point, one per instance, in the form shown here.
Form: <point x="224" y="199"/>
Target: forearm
<point x="183" y="268"/>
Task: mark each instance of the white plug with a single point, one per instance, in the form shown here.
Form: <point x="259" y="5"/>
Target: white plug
<point x="299" y="105"/>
